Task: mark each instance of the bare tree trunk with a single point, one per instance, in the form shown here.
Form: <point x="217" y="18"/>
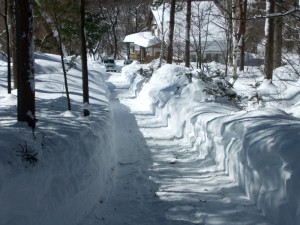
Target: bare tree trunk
<point x="25" y="62"/>
<point x="199" y="55"/>
<point x="227" y="8"/>
<point x="269" y="33"/>
<point x="115" y="38"/>
<point x="7" y="47"/>
<point x="171" y="32"/>
<point x="235" y="40"/>
<point x="136" y="18"/>
<point x="229" y="34"/>
<point x="228" y="58"/>
<point x="114" y="22"/>
<point x="205" y="41"/>
<point x="11" y="9"/>
<point x="196" y="33"/>
<point x="162" y="44"/>
<point x="242" y="31"/>
<point x="85" y="76"/>
<point x="61" y="55"/>
<point x="187" y="34"/>
<point x="278" y="38"/>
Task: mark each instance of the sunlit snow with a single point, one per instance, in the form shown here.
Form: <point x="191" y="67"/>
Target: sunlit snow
<point x="155" y="151"/>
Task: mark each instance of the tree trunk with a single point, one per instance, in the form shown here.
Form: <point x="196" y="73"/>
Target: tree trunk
<point x="115" y="41"/>
<point x="269" y="33"/>
<point x="136" y="19"/>
<point x="242" y="31"/>
<point x="235" y="40"/>
<point x="171" y="32"/>
<point x="187" y="34"/>
<point x="11" y="9"/>
<point x="162" y="44"/>
<point x="114" y="23"/>
<point x="278" y="38"/>
<point x="25" y="62"/>
<point x="61" y="55"/>
<point x="7" y="47"/>
<point x="85" y="77"/>
<point x="229" y="33"/>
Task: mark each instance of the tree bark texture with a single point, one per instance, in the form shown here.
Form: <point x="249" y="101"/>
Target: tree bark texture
<point x="171" y="32"/>
<point x="57" y="27"/>
<point x="229" y="34"/>
<point x="278" y="37"/>
<point x="12" y="18"/>
<point x="25" y="62"/>
<point x="187" y="34"/>
<point x="7" y="46"/>
<point x="162" y="44"/>
<point x="114" y="27"/>
<point x="242" y="31"/>
<point x="234" y="39"/>
<point x="269" y="46"/>
<point x="85" y="77"/>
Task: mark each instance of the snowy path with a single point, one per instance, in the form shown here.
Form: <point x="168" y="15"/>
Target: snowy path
<point x="161" y="181"/>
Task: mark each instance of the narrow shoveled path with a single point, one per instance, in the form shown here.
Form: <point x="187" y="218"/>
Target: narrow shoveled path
<point x="163" y="182"/>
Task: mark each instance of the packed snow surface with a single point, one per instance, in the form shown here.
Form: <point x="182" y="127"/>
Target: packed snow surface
<point x="179" y="147"/>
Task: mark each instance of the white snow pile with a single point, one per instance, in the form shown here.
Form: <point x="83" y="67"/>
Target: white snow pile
<point x="59" y="172"/>
<point x="255" y="140"/>
<point x="56" y="174"/>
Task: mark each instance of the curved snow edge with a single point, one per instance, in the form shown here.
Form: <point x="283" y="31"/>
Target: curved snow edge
<point x="256" y="148"/>
<point x="257" y="152"/>
<point x="70" y="177"/>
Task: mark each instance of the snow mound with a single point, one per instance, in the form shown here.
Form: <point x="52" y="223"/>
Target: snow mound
<point x="259" y="148"/>
<point x="56" y="174"/>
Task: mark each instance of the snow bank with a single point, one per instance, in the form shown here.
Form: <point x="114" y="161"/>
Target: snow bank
<point x="260" y="151"/>
<point x="259" y="148"/>
<point x="72" y="170"/>
<point x="74" y="154"/>
<point x="129" y="75"/>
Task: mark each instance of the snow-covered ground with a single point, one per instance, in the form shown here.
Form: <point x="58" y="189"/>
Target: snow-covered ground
<point x="75" y="155"/>
<point x="154" y="151"/>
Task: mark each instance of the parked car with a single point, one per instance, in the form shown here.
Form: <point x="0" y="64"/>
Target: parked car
<point x="110" y="65"/>
<point x="128" y="61"/>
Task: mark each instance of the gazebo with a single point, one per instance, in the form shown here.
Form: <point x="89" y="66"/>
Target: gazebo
<point x="142" y="46"/>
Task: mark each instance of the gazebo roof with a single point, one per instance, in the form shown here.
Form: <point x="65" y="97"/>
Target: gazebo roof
<point x="144" y="39"/>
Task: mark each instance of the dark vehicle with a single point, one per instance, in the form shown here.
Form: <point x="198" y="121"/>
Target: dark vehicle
<point x="110" y="65"/>
<point x="128" y="61"/>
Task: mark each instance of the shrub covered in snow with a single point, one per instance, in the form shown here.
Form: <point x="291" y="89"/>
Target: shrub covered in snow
<point x="257" y="148"/>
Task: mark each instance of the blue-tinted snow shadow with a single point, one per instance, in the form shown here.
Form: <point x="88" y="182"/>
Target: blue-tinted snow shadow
<point x="192" y="192"/>
<point x="134" y="199"/>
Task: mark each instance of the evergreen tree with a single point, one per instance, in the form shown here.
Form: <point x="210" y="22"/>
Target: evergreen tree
<point x="96" y="28"/>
